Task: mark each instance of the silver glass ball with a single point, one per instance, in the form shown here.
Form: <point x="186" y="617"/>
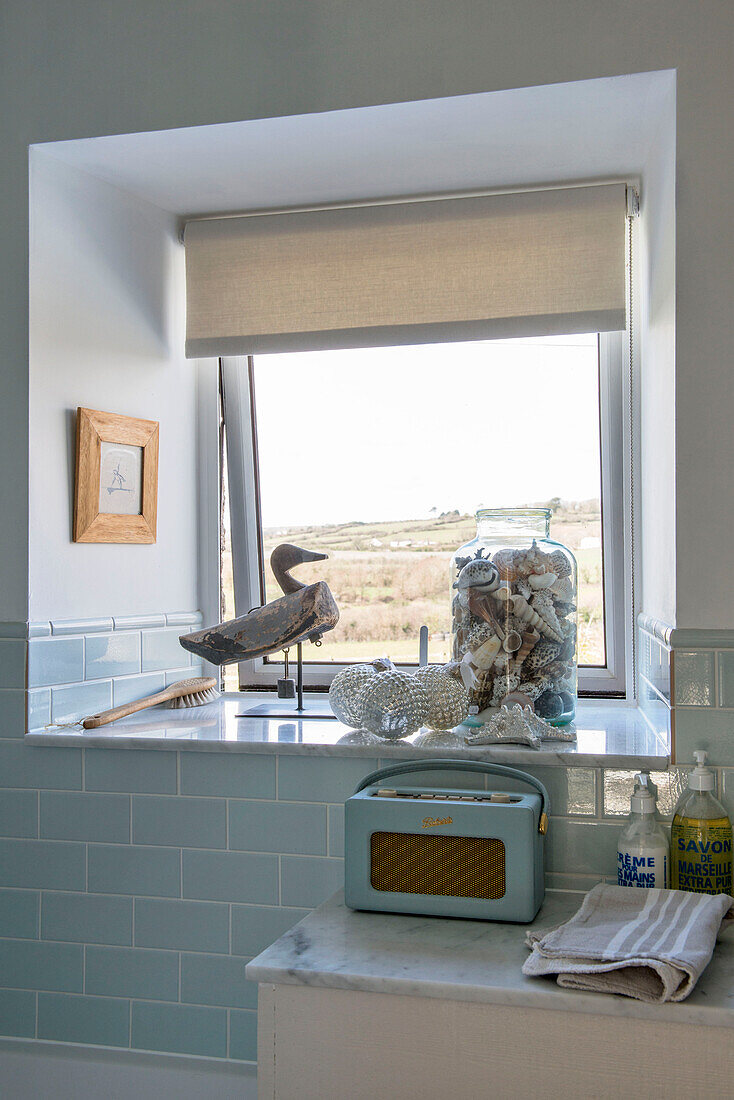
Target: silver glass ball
<point x="393" y="705"/>
<point x="448" y="698"/>
<point x="345" y="691"/>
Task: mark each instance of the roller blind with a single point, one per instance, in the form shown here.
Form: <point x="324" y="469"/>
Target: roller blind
<point x="523" y="264"/>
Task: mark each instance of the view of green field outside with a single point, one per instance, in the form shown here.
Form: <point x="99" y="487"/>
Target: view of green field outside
<point x="391" y="578"/>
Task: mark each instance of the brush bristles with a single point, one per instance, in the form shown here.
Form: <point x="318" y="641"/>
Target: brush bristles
<point x="196" y="699"/>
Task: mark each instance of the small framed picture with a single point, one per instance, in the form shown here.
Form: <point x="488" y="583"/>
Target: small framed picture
<point x="116" y="492"/>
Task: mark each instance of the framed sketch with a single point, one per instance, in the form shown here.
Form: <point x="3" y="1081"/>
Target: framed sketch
<point x="116" y="492"/>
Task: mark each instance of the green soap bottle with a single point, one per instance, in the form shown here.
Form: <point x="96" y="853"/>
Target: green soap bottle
<point x="701" y="836"/>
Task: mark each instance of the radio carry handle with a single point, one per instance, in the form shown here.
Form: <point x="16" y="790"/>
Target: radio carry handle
<point x="462" y="765"/>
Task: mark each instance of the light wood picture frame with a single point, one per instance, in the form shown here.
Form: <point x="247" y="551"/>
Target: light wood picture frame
<point x="116" y="490"/>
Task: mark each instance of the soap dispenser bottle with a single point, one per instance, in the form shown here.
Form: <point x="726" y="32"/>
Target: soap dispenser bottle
<point x="701" y="836"/>
<point x="642" y="852"/>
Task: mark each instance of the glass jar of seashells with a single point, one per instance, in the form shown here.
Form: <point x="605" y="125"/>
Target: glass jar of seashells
<point x="514" y="614"/>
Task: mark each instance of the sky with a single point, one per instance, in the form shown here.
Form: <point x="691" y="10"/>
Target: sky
<point x="393" y="433"/>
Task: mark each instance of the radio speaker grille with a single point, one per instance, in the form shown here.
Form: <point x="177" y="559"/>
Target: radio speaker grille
<point x="453" y="866"/>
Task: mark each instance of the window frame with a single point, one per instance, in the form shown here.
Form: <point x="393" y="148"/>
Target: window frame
<point x="615" y="680"/>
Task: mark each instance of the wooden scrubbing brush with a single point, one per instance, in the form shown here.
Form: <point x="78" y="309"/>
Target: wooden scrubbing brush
<point x="186" y="693"/>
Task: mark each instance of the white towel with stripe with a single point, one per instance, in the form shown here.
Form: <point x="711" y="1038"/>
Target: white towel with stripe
<point x="649" y="944"/>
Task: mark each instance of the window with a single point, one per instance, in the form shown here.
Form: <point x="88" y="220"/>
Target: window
<point x="380" y="457"/>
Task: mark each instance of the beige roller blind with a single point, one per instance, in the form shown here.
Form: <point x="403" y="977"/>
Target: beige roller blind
<point x="530" y="263"/>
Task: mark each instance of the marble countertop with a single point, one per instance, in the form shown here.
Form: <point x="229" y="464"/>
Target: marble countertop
<point x="464" y="960"/>
<point x="608" y="734"/>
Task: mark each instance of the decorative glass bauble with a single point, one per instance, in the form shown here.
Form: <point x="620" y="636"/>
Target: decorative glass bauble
<point x="346" y="688"/>
<point x="448" y="699"/>
<point x="393" y="704"/>
<point x="514" y="614"/>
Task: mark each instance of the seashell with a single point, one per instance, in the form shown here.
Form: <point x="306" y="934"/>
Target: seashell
<point x="483" y="658"/>
<point x="504" y="561"/>
<point x="544" y="653"/>
<point x="502" y="686"/>
<point x="533" y="617"/>
<point x="542" y="604"/>
<point x="562" y="588"/>
<point x="542" y="580"/>
<point x="478" y="574"/>
<point x="530" y="638"/>
<point x="448" y="699"/>
<point x="560" y="564"/>
<point x="479" y="607"/>
<point x="563" y="608"/>
<point x="512" y="641"/>
<point x="503" y="593"/>
<point x="524" y="589"/>
<point x="549" y="705"/>
<point x="517" y="697"/>
<point x="530" y="688"/>
<point x="393" y="704"/>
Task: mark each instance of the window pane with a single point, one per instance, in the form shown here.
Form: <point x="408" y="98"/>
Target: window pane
<point x="380" y="457"/>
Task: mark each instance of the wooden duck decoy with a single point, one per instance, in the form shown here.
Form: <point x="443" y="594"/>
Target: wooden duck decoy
<point x="305" y="612"/>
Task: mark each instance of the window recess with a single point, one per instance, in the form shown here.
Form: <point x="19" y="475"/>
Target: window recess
<point x="402" y="295"/>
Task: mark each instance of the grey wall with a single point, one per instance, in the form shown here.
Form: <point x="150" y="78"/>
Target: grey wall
<point x="76" y="69"/>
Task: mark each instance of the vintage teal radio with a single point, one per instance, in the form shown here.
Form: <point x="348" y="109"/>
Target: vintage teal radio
<point x="445" y="852"/>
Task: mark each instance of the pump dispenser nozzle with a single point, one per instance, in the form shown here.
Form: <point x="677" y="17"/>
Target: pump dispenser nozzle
<point x="643" y="800"/>
<point x="701" y="778"/>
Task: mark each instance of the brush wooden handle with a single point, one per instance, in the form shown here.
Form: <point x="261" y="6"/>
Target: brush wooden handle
<point x="173" y="691"/>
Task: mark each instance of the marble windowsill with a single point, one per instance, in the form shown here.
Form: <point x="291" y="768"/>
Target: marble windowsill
<point x="609" y="734"/>
<point x="466" y="960"/>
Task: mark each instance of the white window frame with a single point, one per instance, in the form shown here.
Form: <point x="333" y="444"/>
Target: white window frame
<point x="236" y="374"/>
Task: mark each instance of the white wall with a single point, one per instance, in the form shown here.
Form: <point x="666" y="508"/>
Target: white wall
<point x="106" y="332"/>
<point x="80" y="68"/>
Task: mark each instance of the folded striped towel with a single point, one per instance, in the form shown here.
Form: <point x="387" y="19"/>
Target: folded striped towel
<point x="649" y="944"/>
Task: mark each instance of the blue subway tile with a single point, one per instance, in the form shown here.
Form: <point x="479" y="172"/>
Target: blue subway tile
<point x="124" y="869"/>
<point x="129" y="689"/>
<point x="55" y="661"/>
<point x="228" y="775"/>
<point x="180" y="1029"/>
<point x="581" y="847"/>
<point x="726" y="677"/>
<point x="138" y="622"/>
<point x="17" y="1013"/>
<point x="13" y="707"/>
<point x="12" y="662"/>
<point x="129" y="972"/>
<point x="184" y="618"/>
<point x="97" y="1021"/>
<point x="336" y="831"/>
<point x="162" y="650"/>
<point x="243" y="1036"/>
<point x="108" y="655"/>
<point x="81" y="626"/>
<point x="33" y="964"/>
<point x="35" y="766"/>
<point x="35" y="630"/>
<point x="39" y="710"/>
<point x="184" y="822"/>
<point x="230" y="876"/>
<point x="693" y="675"/>
<point x="19" y="915"/>
<point x="255" y="927"/>
<point x="320" y="778"/>
<point x="87" y="918"/>
<point x="216" y="980"/>
<point x="173" y="675"/>
<point x="308" y="881"/>
<point x="19" y="813"/>
<point x="75" y="816"/>
<point x="182" y="925"/>
<point x="139" y="771"/>
<point x="42" y="864"/>
<point x="77" y="701"/>
<point x="278" y="827"/>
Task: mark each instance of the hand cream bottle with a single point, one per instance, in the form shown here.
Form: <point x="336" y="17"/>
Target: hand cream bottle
<point x="643" y="850"/>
